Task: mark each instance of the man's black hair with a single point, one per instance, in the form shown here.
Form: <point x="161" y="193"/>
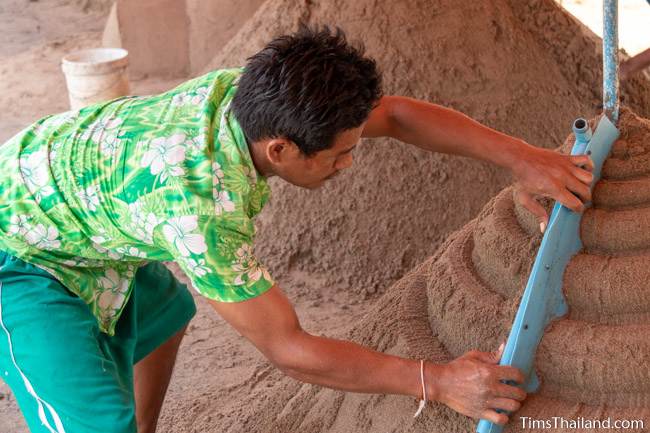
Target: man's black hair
<point x="307" y="87"/>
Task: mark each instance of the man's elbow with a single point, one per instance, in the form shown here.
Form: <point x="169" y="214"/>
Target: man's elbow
<point x="395" y="109"/>
<point x="295" y="373"/>
<point x="292" y="357"/>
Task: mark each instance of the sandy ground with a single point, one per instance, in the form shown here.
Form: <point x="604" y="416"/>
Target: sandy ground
<point x="217" y="371"/>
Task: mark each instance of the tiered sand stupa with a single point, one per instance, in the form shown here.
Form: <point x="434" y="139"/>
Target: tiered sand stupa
<point x="594" y="363"/>
<point x="525" y="67"/>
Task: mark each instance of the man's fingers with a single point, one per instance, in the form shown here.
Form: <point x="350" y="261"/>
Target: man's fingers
<point x="509" y="391"/>
<point x="494" y="417"/>
<point x="499" y="351"/>
<point x="582" y="161"/>
<point x="506" y="404"/>
<point x="583" y="191"/>
<point x="486" y="357"/>
<point x="584" y="176"/>
<point x="570" y="200"/>
<point x="506" y="372"/>
<point x="534" y="207"/>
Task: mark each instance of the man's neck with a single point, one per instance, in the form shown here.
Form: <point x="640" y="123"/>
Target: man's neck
<point x="260" y="161"/>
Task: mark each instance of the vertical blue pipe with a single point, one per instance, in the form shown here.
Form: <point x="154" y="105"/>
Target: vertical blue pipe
<point x="582" y="132"/>
<point x="610" y="59"/>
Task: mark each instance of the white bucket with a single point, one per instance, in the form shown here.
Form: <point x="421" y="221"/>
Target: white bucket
<point x="95" y="75"/>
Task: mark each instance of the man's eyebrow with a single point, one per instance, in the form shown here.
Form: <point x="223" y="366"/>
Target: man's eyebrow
<point x="349" y="150"/>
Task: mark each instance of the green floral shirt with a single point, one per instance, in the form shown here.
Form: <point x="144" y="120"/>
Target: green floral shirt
<point x="91" y="195"/>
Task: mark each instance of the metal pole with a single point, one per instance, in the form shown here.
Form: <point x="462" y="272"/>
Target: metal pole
<point x="610" y="59"/>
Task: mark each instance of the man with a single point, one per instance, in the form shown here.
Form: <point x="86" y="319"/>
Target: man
<point x="91" y="201"/>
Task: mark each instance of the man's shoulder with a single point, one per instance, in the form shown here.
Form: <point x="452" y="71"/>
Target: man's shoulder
<point x="227" y="77"/>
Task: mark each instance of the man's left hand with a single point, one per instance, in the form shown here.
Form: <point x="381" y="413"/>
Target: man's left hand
<point x="565" y="178"/>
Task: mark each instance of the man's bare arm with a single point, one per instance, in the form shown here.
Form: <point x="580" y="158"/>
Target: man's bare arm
<point x="470" y="385"/>
<point x="537" y="171"/>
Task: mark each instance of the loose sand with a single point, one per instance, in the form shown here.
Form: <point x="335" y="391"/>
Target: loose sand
<point x="524" y="67"/>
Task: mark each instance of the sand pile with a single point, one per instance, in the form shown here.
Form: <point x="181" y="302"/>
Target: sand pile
<point x="593" y="363"/>
<point x="523" y="67"/>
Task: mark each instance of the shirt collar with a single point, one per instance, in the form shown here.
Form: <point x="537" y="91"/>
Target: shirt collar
<point x="259" y="189"/>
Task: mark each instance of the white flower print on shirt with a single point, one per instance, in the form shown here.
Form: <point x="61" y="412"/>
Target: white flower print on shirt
<point x="54" y="149"/>
<point x="89" y="197"/>
<point x="200" y="95"/>
<point x="104" y="131"/>
<point x="222" y="202"/>
<point x="113" y="294"/>
<point x="110" y="144"/>
<point x="143" y="223"/>
<point x="98" y="240"/>
<point x="44" y="238"/>
<point x="34" y="170"/>
<point x="55" y="121"/>
<point x="217" y="174"/>
<point x="109" y="301"/>
<point x="19" y="224"/>
<point x="112" y="281"/>
<point x="182" y="98"/>
<point x="178" y="231"/>
<point x="197" y="267"/>
<point x="81" y="262"/>
<point x="164" y="155"/>
<point x="196" y="145"/>
<point x="131" y="252"/>
<point x="248" y="266"/>
<point x="196" y="97"/>
<point x="130" y="271"/>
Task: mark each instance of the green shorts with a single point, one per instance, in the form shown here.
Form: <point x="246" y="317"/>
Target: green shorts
<point x="66" y="375"/>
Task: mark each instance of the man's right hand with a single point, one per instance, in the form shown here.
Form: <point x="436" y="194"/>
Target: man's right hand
<point x="472" y="385"/>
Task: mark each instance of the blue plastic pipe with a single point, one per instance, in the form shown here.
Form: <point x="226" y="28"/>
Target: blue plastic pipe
<point x="610" y="60"/>
<point x="582" y="132"/>
<point x="543" y="300"/>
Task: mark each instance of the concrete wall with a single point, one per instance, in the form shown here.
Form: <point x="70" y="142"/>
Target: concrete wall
<point x="174" y="38"/>
<point x="212" y="24"/>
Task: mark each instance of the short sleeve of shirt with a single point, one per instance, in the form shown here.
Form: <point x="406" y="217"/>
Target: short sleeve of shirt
<point x="216" y="255"/>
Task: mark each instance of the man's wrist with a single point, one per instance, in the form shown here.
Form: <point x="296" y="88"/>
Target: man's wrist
<point x="511" y="154"/>
<point x="432" y="375"/>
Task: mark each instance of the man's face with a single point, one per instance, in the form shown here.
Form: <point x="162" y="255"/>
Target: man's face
<point x="312" y="171"/>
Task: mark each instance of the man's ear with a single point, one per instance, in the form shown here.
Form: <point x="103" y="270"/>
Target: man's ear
<point x="280" y="150"/>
